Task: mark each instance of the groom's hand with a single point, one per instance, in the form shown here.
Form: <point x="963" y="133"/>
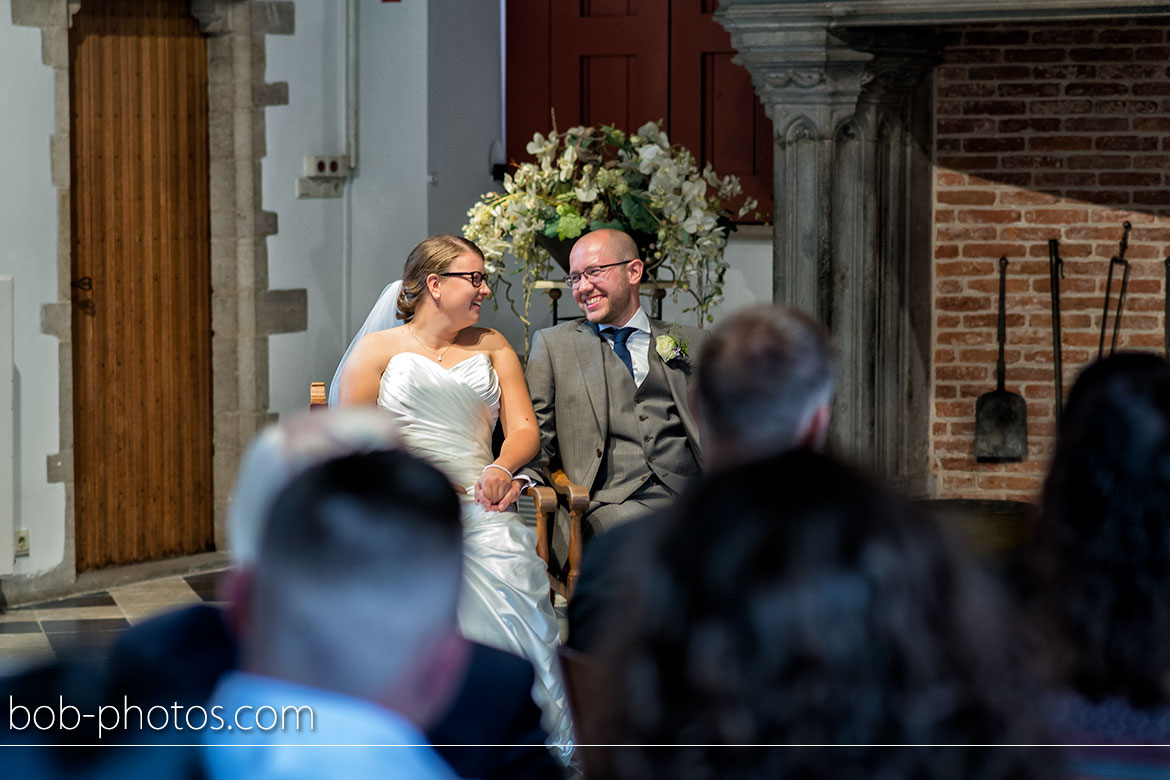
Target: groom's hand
<point x="510" y="498"/>
<point x="496" y="490"/>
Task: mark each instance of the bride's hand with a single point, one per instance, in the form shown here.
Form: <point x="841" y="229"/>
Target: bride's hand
<point x="496" y="490"/>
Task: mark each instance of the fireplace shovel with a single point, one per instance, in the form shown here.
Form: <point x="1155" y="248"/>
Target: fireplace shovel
<point x="1000" y="417"/>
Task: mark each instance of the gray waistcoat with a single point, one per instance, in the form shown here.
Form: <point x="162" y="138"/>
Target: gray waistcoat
<point x="646" y="434"/>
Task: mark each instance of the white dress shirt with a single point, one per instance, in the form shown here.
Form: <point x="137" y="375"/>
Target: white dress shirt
<point x="638" y="344"/>
<point x="376" y="743"/>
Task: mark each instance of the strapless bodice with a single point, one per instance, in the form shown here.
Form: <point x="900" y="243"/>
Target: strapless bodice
<point x="446" y="415"/>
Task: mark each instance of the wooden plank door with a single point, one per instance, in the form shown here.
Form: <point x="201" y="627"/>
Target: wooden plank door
<point x="595" y="62"/>
<point x="608" y="62"/>
<point x="141" y="283"/>
<point x="714" y="109"/>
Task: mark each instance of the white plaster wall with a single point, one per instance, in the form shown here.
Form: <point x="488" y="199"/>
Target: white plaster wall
<point x="344" y="251"/>
<point x="389" y="195"/>
<point x="465" y="108"/>
<point x="308" y="249"/>
<point x="28" y="252"/>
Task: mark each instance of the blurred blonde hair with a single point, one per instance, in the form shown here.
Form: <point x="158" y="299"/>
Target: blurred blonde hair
<point x="284" y="450"/>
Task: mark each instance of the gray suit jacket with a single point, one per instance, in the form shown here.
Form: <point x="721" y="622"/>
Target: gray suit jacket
<point x="567" y="383"/>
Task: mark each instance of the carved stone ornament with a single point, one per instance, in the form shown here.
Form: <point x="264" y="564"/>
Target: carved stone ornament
<point x="802" y="78"/>
<point x="803" y="130"/>
<point x="782" y="14"/>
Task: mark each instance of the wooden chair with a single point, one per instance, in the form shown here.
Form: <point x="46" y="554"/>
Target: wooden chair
<point x="318" y="399"/>
<point x="576" y="500"/>
<point x="545" y="498"/>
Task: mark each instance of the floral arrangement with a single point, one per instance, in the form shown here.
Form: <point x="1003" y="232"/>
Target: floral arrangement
<point x="588" y="179"/>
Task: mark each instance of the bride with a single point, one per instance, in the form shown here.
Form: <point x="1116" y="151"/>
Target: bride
<point x="445" y="381"/>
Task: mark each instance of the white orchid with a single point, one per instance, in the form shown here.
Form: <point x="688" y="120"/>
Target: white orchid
<point x="694" y="192"/>
<point x="543" y="149"/>
<point x="649" y="156"/>
<point x="586" y="193"/>
<point x="651" y="133"/>
<point x="587" y="188"/>
<point x="698" y="220"/>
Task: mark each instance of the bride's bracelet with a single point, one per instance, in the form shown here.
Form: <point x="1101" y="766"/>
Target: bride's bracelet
<point x="501" y="468"/>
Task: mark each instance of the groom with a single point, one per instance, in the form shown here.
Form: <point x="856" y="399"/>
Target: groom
<point x="610" y="392"/>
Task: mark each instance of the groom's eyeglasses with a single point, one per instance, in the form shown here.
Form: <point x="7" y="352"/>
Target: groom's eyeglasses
<point x="592" y="274"/>
<point x="475" y="277"/>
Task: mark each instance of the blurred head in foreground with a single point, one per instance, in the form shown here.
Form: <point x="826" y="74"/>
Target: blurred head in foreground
<point x="283" y="450"/>
<point x="792" y="601"/>
<point x="765" y="384"/>
<point x="356" y="582"/>
<point x="1102" y="549"/>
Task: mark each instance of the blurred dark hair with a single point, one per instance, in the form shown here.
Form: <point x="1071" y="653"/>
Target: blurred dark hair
<point x="762" y="373"/>
<point x="1101" y="555"/>
<point x="360" y="563"/>
<point x="793" y="602"/>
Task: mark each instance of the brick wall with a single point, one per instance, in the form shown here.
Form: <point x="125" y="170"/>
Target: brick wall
<point x="1042" y="132"/>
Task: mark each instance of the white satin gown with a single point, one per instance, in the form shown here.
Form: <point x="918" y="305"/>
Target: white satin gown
<point x="447" y="416"/>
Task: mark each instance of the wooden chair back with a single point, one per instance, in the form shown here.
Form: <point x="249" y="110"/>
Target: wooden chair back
<point x="318" y="399"/>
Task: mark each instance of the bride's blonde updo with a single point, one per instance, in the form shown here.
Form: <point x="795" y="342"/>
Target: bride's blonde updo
<point x="432" y="256"/>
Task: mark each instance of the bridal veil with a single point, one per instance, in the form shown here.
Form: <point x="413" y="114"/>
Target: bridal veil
<point x="384" y="315"/>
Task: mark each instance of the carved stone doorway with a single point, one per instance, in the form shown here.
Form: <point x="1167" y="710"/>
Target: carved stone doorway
<point x="244" y="312"/>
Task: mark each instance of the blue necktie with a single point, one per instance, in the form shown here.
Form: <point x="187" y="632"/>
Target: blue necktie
<point x="620" y="336"/>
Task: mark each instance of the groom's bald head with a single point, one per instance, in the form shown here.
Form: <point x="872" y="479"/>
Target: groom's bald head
<point x="610" y="296"/>
<point x="615" y="244"/>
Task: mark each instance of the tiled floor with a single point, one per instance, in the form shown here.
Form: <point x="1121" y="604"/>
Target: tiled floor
<point x="93" y="621"/>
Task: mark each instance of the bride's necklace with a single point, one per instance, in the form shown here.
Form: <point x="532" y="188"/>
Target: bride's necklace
<point x="438" y="355"/>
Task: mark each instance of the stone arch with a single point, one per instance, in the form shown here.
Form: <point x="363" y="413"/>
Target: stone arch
<point x="849" y="130"/>
<point x="801" y="128"/>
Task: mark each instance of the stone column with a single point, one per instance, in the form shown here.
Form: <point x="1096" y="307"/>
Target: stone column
<point x="846" y="230"/>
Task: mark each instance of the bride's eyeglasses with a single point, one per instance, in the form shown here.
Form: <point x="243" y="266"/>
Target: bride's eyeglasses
<point x="475" y="277"/>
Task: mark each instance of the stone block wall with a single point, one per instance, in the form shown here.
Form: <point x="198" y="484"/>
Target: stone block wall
<point x="1041" y="132"/>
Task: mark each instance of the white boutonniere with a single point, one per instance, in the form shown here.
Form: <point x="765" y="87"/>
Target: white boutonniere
<point x="671" y="346"/>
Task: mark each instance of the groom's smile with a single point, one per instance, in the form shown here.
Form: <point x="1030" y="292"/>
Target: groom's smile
<point x="603" y="280"/>
<point x="611" y="300"/>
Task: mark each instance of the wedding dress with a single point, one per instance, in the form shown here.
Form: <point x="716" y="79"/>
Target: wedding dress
<point x="447" y="417"/>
